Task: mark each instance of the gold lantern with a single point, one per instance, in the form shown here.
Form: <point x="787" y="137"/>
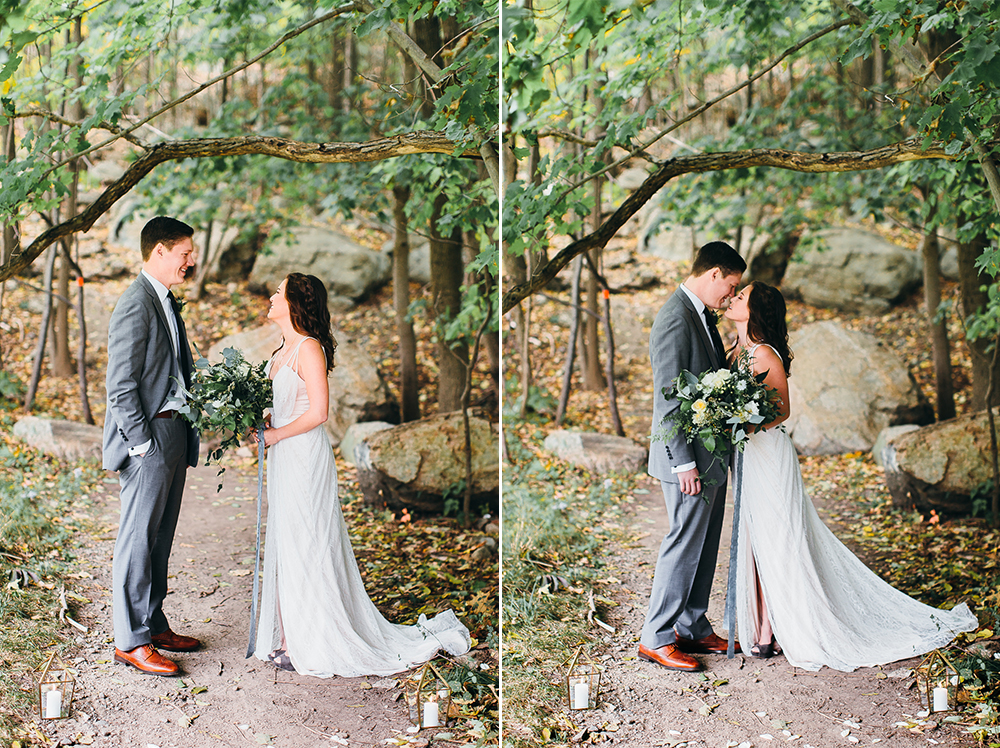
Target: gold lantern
<point x="431" y="703"/>
<point x="583" y="681"/>
<point x="55" y="689"/>
<point x="939" y="681"/>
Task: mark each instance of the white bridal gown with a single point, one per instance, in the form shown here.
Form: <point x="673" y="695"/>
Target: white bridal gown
<point x="825" y="606"/>
<point x="311" y="584"/>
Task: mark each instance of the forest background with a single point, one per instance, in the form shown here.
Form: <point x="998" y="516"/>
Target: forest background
<point x="743" y="120"/>
<point x="378" y="122"/>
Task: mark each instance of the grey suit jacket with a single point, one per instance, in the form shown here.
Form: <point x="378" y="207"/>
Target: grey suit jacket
<point x="140" y="370"/>
<point x="678" y="341"/>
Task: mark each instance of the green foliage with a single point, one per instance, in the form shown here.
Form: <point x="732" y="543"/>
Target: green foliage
<point x="10" y="386"/>
<point x="40" y="523"/>
<point x="557" y="523"/>
<point x="540" y="401"/>
<point x="291" y="94"/>
<point x="227" y="398"/>
<point x="647" y="65"/>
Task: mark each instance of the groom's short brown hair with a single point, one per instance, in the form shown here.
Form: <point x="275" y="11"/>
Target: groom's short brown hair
<point x="718" y="255"/>
<point x="162" y="230"/>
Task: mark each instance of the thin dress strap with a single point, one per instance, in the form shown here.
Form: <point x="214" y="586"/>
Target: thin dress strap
<point x="753" y="350"/>
<point x="293" y="360"/>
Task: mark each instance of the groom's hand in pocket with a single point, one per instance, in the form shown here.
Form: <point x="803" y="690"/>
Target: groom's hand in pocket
<point x="690" y="483"/>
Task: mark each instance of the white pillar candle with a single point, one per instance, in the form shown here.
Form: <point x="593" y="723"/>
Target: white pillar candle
<point x="53" y="704"/>
<point x="430" y="714"/>
<point x="940" y="699"/>
<point x="581" y="696"/>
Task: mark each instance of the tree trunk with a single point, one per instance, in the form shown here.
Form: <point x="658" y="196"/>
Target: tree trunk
<point x="60" y="364"/>
<point x="446" y="294"/>
<point x="350" y="66"/>
<point x="591" y="361"/>
<point x="567" y="382"/>
<point x="409" y="394"/>
<point x="944" y="389"/>
<point x="204" y="263"/>
<point x="43" y="331"/>
<point x="974" y="300"/>
<point x="9" y="239"/>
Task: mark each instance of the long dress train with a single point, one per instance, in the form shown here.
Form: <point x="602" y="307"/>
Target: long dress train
<point x="313" y="595"/>
<point x="825" y="606"/>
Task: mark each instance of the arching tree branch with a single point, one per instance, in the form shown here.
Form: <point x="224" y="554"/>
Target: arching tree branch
<point x="421" y="141"/>
<point x="896" y="153"/>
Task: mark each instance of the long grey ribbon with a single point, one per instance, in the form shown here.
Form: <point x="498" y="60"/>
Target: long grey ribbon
<point x="256" y="556"/>
<point x="733" y="545"/>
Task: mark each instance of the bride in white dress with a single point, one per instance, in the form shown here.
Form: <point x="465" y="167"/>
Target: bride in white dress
<point x="797" y="584"/>
<point x="315" y="615"/>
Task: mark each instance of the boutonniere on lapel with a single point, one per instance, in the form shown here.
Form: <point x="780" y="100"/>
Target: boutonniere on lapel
<point x="177" y="304"/>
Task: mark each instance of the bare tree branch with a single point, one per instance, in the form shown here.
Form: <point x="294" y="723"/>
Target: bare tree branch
<point x="421" y="141"/>
<point x="895" y="153"/>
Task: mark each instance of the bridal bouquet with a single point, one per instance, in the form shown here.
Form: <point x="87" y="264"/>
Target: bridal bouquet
<point x="227" y="398"/>
<point x="721" y="408"/>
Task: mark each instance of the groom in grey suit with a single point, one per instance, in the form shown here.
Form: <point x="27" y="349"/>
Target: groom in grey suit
<point x="684" y="336"/>
<point x="144" y="439"/>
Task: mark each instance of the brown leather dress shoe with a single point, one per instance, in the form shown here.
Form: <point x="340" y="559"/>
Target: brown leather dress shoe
<point x="175" y="642"/>
<point x="670" y="657"/>
<point x="148" y="660"/>
<point x="710" y="645"/>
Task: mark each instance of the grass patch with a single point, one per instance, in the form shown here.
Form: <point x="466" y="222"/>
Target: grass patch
<point x="42" y="503"/>
<point x="557" y="524"/>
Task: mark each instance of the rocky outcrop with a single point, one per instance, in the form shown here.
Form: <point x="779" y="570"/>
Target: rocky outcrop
<point x="357" y="390"/>
<point x="845" y="388"/>
<point x="416" y="464"/>
<point x="64" y="439"/>
<point x="349" y="270"/>
<point x="940" y="466"/>
<point x="852" y="270"/>
<point x="598" y="453"/>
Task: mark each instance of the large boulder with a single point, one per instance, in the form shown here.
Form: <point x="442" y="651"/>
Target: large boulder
<point x="940" y="466"/>
<point x="851" y="270"/>
<point x="845" y="388"/>
<point x="416" y="464"/>
<point x="64" y="439"/>
<point x="598" y="453"/>
<point x="349" y="270"/>
<point x="356" y="435"/>
<point x="357" y="390"/>
<point x="884" y="449"/>
<point x="666" y="241"/>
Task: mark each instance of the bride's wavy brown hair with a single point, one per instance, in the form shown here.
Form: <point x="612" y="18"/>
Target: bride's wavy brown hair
<point x="767" y="321"/>
<point x="309" y="313"/>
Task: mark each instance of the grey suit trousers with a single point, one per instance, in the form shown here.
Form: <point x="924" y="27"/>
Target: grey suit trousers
<point x="685" y="566"/>
<point x="152" y="487"/>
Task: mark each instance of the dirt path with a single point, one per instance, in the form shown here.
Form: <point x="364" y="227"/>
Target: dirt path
<point x="222" y="698"/>
<point x="741" y="702"/>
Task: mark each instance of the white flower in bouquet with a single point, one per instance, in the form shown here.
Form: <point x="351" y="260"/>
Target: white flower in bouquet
<point x="720" y="408"/>
<point x="713" y="380"/>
